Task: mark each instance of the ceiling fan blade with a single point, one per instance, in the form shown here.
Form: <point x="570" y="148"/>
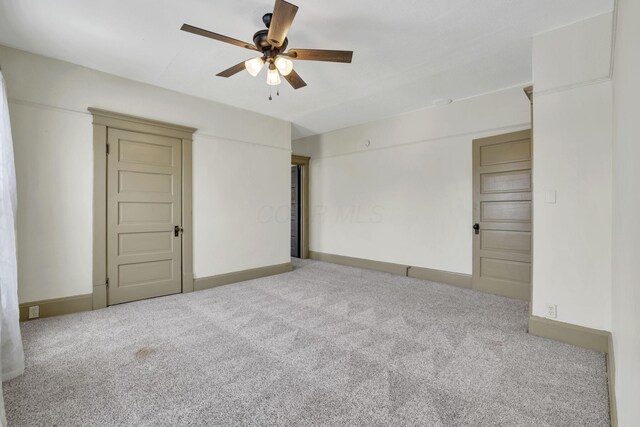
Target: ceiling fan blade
<point x="321" y="55"/>
<point x="283" y="14"/>
<point x="295" y="80"/>
<point x="232" y="70"/>
<point x="205" y="33"/>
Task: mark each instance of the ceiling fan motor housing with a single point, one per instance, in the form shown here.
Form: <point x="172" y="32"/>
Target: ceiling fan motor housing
<point x="261" y="41"/>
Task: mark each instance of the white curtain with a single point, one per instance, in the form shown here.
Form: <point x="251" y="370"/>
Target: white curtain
<point x="11" y="354"/>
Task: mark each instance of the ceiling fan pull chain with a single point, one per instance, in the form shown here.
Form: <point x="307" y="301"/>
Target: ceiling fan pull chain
<point x="278" y="92"/>
<point x="270" y="93"/>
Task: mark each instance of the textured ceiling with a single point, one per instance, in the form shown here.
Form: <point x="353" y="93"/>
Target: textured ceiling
<point x="407" y="53"/>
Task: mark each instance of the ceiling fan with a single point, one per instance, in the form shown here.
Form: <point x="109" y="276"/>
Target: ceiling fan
<point x="272" y="43"/>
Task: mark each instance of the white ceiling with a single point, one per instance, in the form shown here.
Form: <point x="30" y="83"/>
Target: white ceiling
<point x="407" y="53"/>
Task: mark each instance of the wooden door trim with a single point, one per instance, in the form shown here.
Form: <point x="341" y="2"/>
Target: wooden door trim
<point x="102" y="121"/>
<point x="303" y="162"/>
<point x="529" y="92"/>
<point x="140" y="124"/>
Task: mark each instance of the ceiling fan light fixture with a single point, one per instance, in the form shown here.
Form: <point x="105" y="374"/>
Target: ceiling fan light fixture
<point x="273" y="77"/>
<point x="284" y="65"/>
<point x="254" y="66"/>
<point x="272" y="44"/>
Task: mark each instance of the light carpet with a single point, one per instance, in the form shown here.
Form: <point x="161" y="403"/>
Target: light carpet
<point x="323" y="345"/>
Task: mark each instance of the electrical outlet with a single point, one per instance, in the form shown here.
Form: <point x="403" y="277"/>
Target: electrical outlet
<point x="552" y="311"/>
<point x="34" y="312"/>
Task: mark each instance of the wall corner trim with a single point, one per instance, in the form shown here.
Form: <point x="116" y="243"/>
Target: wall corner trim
<point x="240" y="276"/>
<point x="611" y="376"/>
<point x="58" y="306"/>
<point x="580" y="336"/>
<point x="529" y="92"/>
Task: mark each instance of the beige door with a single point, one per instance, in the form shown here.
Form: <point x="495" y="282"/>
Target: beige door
<point x="502" y="210"/>
<point x="143" y="207"/>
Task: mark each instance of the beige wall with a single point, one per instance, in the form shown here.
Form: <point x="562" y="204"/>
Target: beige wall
<point x="240" y="165"/>
<point x="572" y="162"/>
<point x="241" y="206"/>
<point x="626" y="212"/>
<point x="406" y="197"/>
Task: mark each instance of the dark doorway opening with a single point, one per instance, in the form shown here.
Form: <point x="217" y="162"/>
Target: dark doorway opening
<point x="295" y="211"/>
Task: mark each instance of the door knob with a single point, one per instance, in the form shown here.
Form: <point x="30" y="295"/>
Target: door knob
<point x="177" y="230"/>
<point x="476" y="227"/>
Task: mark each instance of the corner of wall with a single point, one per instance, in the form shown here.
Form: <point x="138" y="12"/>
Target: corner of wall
<point x="572" y="169"/>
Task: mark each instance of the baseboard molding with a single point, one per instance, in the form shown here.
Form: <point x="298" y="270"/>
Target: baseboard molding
<point x="58" y="306"/>
<point x="579" y="336"/>
<point x="79" y="303"/>
<point x="240" y="276"/>
<point x="440" y="276"/>
<point x="611" y="376"/>
<point x="367" y="264"/>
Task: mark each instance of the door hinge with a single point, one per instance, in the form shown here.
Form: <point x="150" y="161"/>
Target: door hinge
<point x="107" y="282"/>
<point x="107" y="149"/>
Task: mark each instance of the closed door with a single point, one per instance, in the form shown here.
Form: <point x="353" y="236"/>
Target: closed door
<point x="295" y="211"/>
<point x="144" y="248"/>
<point x="502" y="214"/>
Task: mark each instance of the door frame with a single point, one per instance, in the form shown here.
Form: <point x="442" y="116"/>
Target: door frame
<point x="529" y="92"/>
<point x="102" y="121"/>
<point x="303" y="162"/>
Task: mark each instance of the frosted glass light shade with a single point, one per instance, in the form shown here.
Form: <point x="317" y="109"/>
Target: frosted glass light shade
<point x="284" y="65"/>
<point x="273" y="78"/>
<point x="254" y="66"/>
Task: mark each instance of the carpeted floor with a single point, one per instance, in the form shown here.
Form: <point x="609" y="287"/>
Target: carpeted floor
<point x="323" y="345"/>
